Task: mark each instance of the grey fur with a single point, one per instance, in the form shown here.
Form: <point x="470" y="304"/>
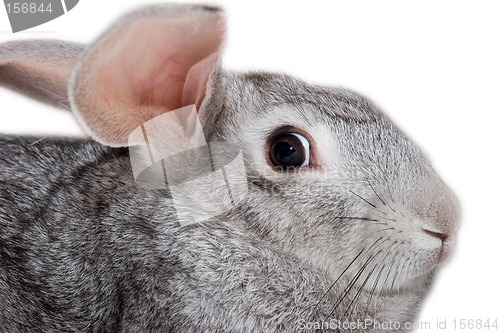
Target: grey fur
<point x="37" y="67"/>
<point x="83" y="248"/>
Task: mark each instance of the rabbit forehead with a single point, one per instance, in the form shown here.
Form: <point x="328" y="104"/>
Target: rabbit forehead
<point x="265" y="90"/>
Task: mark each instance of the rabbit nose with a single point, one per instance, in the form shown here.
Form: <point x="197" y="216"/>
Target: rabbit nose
<point x="439" y="210"/>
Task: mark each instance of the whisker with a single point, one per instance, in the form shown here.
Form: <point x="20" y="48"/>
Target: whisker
<point x="390" y="266"/>
<point x="382" y="184"/>
<point x="378" y="240"/>
<point x="411" y="263"/>
<point x="389" y="228"/>
<point x="375" y="284"/>
<point x="378" y="210"/>
<point x="387" y="219"/>
<point x="333" y="284"/>
<point x="356" y="277"/>
<point x="368" y="202"/>
<point x="400" y="212"/>
<point x="378" y="196"/>
<point x="355" y="218"/>
<point x="391" y="197"/>
<point x="372" y="291"/>
<point x="358" y="293"/>
<point x="351" y="285"/>
<point x="375" y="221"/>
<point x="393" y="210"/>
<point x="381" y="230"/>
<point x="379" y="275"/>
<point x="399" y="272"/>
<point x="374" y="245"/>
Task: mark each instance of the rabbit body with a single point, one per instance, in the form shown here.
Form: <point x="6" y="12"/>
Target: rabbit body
<point x="354" y="237"/>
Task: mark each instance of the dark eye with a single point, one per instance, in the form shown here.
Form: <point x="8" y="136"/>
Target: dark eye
<point x="289" y="150"/>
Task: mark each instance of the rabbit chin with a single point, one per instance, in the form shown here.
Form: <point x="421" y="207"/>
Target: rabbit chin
<point x="412" y="272"/>
<point x="401" y="280"/>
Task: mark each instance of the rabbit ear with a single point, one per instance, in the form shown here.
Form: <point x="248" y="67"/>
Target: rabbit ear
<point x="153" y="61"/>
<point x="40" y="68"/>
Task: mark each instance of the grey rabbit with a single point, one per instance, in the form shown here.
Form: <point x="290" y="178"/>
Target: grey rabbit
<point x="340" y="223"/>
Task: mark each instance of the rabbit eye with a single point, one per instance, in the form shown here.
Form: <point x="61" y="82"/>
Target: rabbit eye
<point x="289" y="150"/>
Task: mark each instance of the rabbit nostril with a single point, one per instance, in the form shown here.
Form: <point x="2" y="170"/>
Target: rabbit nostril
<point x="441" y="236"/>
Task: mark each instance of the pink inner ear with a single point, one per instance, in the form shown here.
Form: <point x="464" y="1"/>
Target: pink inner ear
<point x="151" y="64"/>
<point x="143" y="69"/>
<point x="195" y="85"/>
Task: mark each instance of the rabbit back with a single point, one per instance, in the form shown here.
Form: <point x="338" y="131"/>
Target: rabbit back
<point x="65" y="262"/>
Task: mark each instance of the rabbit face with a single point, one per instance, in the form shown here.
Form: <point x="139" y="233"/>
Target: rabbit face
<point x="361" y="201"/>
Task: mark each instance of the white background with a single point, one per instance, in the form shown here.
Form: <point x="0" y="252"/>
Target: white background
<point x="433" y="66"/>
